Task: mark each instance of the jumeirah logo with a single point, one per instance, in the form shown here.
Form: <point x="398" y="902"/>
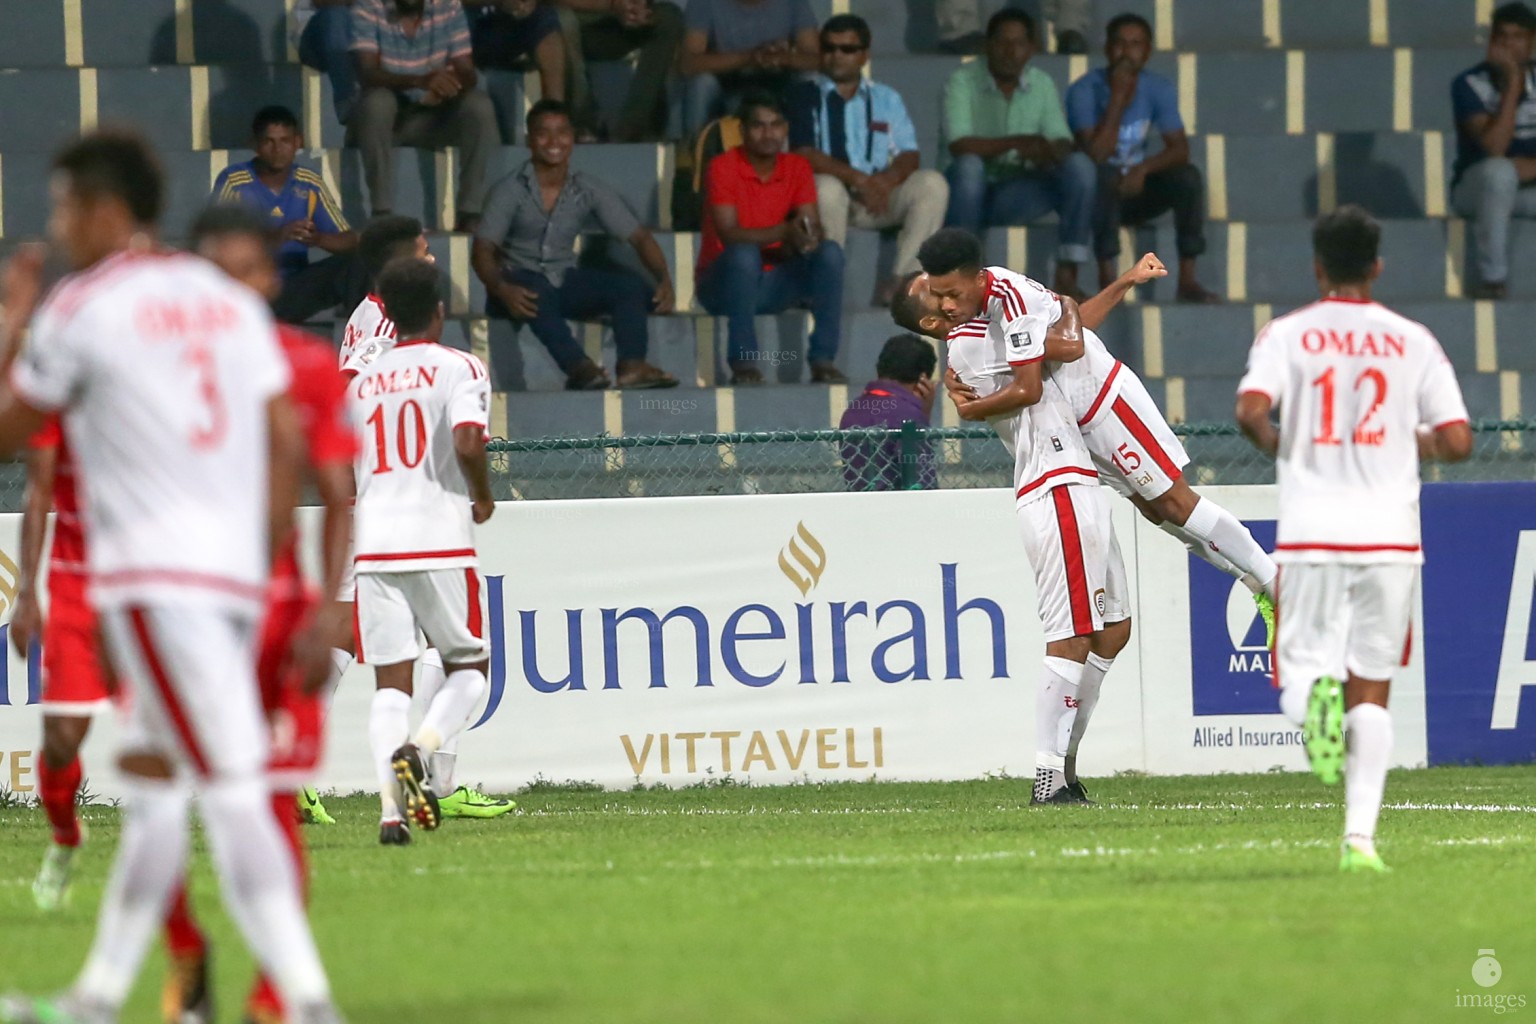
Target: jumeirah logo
<point x="9" y="575"/>
<point x="803" y="560"/>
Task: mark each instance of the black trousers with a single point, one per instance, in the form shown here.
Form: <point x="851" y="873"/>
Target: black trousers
<point x="337" y="280"/>
<point x="1180" y="189"/>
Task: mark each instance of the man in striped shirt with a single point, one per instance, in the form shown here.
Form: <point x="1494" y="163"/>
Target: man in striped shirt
<point x="300" y="212"/>
<point x="413" y="60"/>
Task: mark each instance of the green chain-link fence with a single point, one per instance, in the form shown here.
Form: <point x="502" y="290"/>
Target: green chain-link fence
<point x="784" y="462"/>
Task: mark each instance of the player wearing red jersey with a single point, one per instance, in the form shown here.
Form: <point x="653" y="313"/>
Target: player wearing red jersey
<point x="75" y="686"/>
<point x="235" y="242"/>
<point x="1363" y="395"/>
<point x="172" y="388"/>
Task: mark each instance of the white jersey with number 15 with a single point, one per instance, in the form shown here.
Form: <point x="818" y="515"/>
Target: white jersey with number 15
<point x="413" y="506"/>
<point x="1352" y="381"/>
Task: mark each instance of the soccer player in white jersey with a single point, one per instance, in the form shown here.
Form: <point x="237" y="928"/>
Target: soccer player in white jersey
<point x="422" y="484"/>
<point x="368" y="335"/>
<point x="171" y="386"/>
<point x="1133" y="449"/>
<point x="1363" y="394"/>
<point x="1063" y="516"/>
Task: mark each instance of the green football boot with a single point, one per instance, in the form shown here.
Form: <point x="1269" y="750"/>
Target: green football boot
<point x="1323" y="731"/>
<point x="50" y="889"/>
<point x="468" y="802"/>
<point x="66" y="1009"/>
<point x="1356" y="861"/>
<point x="1267" y="609"/>
<point x="311" y="810"/>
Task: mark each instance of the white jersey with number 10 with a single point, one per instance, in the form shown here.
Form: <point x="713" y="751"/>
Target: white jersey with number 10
<point x="413" y="506"/>
<point x="1352" y="381"/>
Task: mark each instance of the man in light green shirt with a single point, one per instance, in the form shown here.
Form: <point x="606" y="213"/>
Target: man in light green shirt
<point x="1011" y="153"/>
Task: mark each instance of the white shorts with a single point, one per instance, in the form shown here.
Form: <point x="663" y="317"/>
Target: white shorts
<point x="190" y="675"/>
<point x="1133" y="448"/>
<point x="447" y="604"/>
<point x="1079" y="575"/>
<point x="347" y="592"/>
<point x="1337" y="619"/>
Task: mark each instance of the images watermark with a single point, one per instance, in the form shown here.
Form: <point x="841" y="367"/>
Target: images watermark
<point x="1487" y="972"/>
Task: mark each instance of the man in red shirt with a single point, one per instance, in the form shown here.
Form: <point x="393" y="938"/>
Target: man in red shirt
<point x="297" y="627"/>
<point x="763" y="249"/>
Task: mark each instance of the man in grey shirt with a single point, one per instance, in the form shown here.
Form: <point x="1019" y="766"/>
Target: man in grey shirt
<point x="733" y="47"/>
<point x="525" y="253"/>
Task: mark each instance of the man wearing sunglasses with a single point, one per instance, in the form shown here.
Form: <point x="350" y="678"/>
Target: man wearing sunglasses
<point x="863" y="147"/>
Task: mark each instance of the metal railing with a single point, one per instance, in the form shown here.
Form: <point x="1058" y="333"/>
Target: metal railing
<point x="909" y="457"/>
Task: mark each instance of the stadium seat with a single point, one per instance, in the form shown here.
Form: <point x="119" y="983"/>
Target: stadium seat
<point x="1348" y="90"/>
<point x="1241" y="92"/>
<point x="1206" y="341"/>
<point x="115" y="34"/>
<point x="1431" y="22"/>
<point x="51" y="99"/>
<point x="34" y="34"/>
<point x="1512" y="323"/>
<point x="239" y="31"/>
<point x="1455" y="324"/>
<point x="237" y="91"/>
<point x="24" y="185"/>
<point x="1217" y="25"/>
<point x="1316" y="24"/>
<point x="1433" y="72"/>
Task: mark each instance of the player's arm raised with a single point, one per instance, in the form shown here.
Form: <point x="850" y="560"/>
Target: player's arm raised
<point x="27" y="618"/>
<point x="1096" y="310"/>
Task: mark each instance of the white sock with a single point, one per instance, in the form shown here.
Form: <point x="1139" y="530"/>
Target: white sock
<point x="444" y="761"/>
<point x="1055" y="711"/>
<point x="1225" y="532"/>
<point x="1201" y="550"/>
<point x="450" y="711"/>
<point x="151" y="856"/>
<point x="389" y="726"/>
<point x="1094" y="671"/>
<point x="1293" y="701"/>
<point x="1368" y="731"/>
<point x="260" y="885"/>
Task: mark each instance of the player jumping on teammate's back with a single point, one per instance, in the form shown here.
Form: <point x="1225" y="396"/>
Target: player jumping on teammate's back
<point x="1000" y="323"/>
<point x="423" y="483"/>
<point x="170" y="382"/>
<point x="1363" y="394"/>
<point x="1133" y="449"/>
<point x="368" y="335"/>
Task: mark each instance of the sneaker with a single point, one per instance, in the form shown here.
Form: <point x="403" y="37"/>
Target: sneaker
<point x="187" y="998"/>
<point x="1356" y="860"/>
<point x="1079" y="790"/>
<point x="1323" y="731"/>
<point x="311" y="810"/>
<point x="1267" y="609"/>
<point x="65" y="1009"/>
<point x="420" y="802"/>
<point x="1064" y="795"/>
<point x="468" y="802"/>
<point x="1051" y="788"/>
<point x="50" y="889"/>
<point x="394" y="833"/>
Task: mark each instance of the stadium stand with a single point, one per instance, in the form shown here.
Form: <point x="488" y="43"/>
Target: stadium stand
<point x="1293" y="106"/>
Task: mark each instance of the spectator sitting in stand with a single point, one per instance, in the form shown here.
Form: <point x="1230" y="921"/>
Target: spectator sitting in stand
<point x="903" y="393"/>
<point x="323" y="36"/>
<point x="612" y="30"/>
<point x="1495" y="108"/>
<point x="300" y="212"/>
<point x="413" y="59"/>
<point x="863" y="147"/>
<point x="1113" y="110"/>
<point x="763" y="250"/>
<point x="733" y="47"/>
<point x="519" y="35"/>
<point x="525" y="254"/>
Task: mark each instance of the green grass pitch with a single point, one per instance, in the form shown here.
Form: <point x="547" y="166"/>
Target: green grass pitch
<point x="1175" y="899"/>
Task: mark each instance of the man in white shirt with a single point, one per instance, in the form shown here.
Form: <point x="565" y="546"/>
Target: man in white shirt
<point x="422" y="484"/>
<point x="171" y="386"/>
<point x="1363" y="394"/>
<point x="997" y="341"/>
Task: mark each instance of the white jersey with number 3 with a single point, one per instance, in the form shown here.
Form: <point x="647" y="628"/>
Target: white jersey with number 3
<point x="1352" y="381"/>
<point x="162" y="369"/>
<point x="369" y="334"/>
<point x="413" y="506"/>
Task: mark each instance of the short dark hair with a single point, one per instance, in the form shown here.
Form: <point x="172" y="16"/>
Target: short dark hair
<point x="543" y="107"/>
<point x="905" y="309"/>
<point x="223" y="220"/>
<point x="115" y="163"/>
<point x="408" y="289"/>
<point x="1346" y="243"/>
<point x="906" y="359"/>
<point x="266" y="117"/>
<point x="840" y="23"/>
<point x="1008" y="14"/>
<point x="1514" y="14"/>
<point x="1119" y="22"/>
<point x="387" y="238"/>
<point x="760" y="99"/>
<point x="948" y="250"/>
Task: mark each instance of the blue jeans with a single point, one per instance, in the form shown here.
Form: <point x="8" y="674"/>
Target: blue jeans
<point x="582" y="295"/>
<point x="326" y="45"/>
<point x="1068" y="188"/>
<point x="737" y="287"/>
